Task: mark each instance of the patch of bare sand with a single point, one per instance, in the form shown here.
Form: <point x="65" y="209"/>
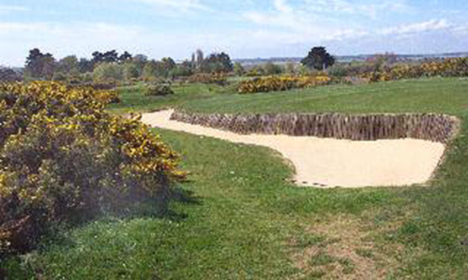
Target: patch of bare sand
<point x="331" y="162"/>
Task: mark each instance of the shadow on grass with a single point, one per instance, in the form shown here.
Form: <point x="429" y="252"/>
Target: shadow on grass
<point x="150" y="209"/>
<point x="59" y="233"/>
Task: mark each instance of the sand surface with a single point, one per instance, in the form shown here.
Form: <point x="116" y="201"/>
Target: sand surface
<point x="328" y="163"/>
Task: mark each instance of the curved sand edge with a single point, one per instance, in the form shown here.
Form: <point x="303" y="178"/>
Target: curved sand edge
<point x="331" y="163"/>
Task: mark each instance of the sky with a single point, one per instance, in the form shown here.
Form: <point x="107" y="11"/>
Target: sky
<point x="242" y="28"/>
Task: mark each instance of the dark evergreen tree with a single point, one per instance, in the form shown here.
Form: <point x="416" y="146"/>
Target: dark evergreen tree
<point x="40" y="66"/>
<point x="319" y="59"/>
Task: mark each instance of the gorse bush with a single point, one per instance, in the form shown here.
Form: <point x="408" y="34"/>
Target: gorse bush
<point x="104" y="92"/>
<point x="64" y="159"/>
<point x="454" y="67"/>
<point x="158" y="90"/>
<point x="282" y="83"/>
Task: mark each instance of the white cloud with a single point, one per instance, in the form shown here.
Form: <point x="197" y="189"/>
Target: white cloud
<point x="282" y="6"/>
<point x="284" y="28"/>
<point x="179" y="5"/>
<point x="461" y="30"/>
<point x="368" y="9"/>
<point x="321" y="22"/>
<point x="302" y="23"/>
<point x="427" y="26"/>
<point x="10" y="9"/>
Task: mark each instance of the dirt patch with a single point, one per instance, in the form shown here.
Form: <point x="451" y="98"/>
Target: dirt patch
<point x="343" y="247"/>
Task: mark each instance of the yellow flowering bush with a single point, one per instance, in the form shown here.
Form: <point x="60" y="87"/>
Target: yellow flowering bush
<point x="282" y="83"/>
<point x="63" y="158"/>
<point x="453" y="67"/>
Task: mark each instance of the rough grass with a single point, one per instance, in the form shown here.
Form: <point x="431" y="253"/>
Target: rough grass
<point x="134" y="100"/>
<point x="240" y="218"/>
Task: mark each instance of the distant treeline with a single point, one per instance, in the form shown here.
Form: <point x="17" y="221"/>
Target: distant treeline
<point x="112" y="66"/>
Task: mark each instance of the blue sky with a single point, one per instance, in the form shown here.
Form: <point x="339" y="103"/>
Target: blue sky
<point x="243" y="28"/>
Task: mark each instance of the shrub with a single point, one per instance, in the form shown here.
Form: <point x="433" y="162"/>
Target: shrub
<point x="255" y="72"/>
<point x="108" y="73"/>
<point x="238" y="69"/>
<point x="130" y="72"/>
<point x="103" y="86"/>
<point x="60" y="77"/>
<point x="282" y="83"/>
<point x="63" y="159"/>
<point x="158" y="90"/>
<point x="108" y="96"/>
<point x="454" y="67"/>
<point x="272" y="69"/>
<point x="338" y="70"/>
<point x="219" y="79"/>
<point x="105" y="92"/>
<point x="10" y="75"/>
<point x="180" y="71"/>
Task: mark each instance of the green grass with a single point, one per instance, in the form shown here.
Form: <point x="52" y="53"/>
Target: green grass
<point x="435" y="95"/>
<point x="245" y="221"/>
<point x="133" y="99"/>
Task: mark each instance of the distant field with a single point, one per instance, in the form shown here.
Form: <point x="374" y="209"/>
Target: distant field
<point x="240" y="218"/>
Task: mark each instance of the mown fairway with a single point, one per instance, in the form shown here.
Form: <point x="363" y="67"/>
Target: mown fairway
<point x="434" y="95"/>
<point x="240" y="218"/>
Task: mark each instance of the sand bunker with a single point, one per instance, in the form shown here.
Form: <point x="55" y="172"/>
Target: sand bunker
<point x="331" y="163"/>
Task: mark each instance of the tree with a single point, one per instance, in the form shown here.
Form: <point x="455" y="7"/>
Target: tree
<point x="40" y="66"/>
<point x="319" y="59"/>
<point x="130" y="71"/>
<point x="126" y="56"/>
<point x="140" y="61"/>
<point x="181" y="70"/>
<point x="217" y="63"/>
<point x="67" y="64"/>
<point x="380" y="61"/>
<point x="158" y="69"/>
<point x="290" y="68"/>
<point x="109" y="57"/>
<point x="168" y="64"/>
<point x="10" y="75"/>
<point x="98" y="57"/>
<point x="272" y="69"/>
<point x="85" y="65"/>
<point x="150" y="70"/>
<point x="199" y="57"/>
<point x="193" y="63"/>
<point x="108" y="72"/>
<point x="239" y="69"/>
